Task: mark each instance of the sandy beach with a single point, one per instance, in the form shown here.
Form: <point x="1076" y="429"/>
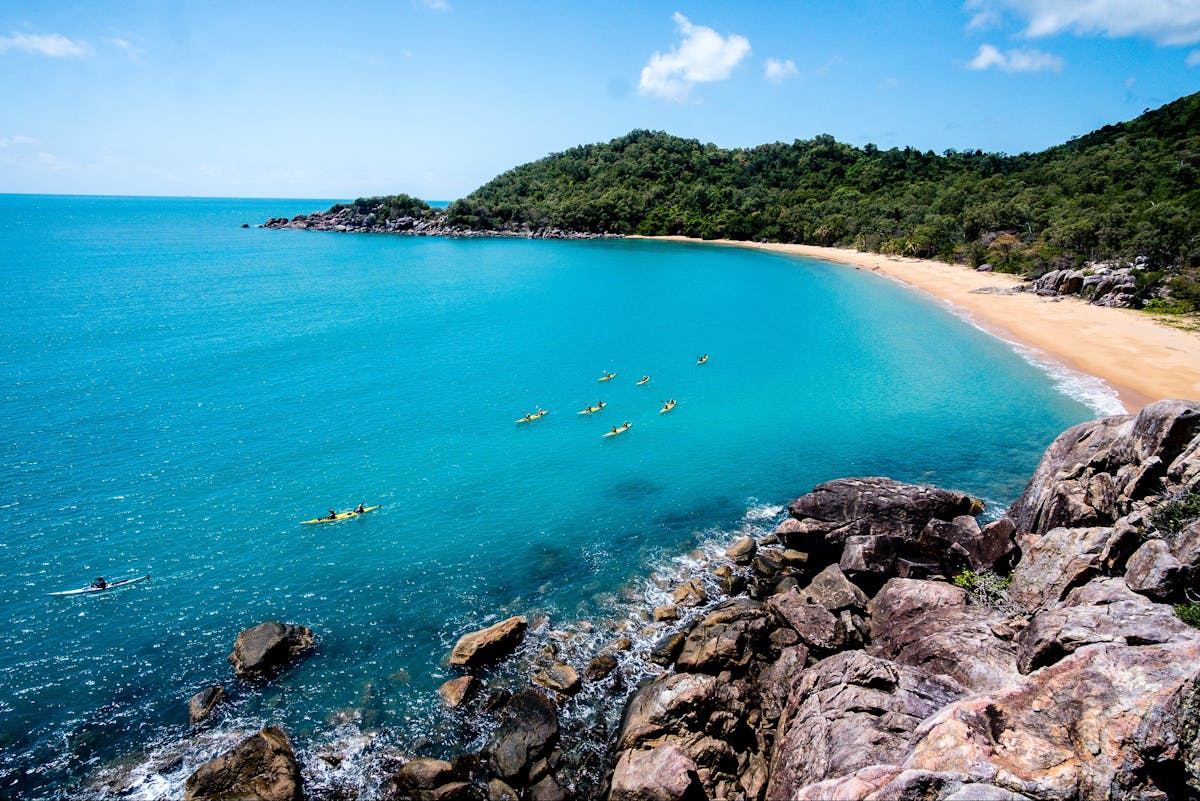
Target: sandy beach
<point x="1141" y="359"/>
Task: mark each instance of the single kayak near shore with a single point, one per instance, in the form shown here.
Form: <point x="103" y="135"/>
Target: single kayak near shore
<point x="341" y="515"/>
<point x="93" y="588"/>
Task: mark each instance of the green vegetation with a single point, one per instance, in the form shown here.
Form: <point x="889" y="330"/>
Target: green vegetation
<point x="986" y="586"/>
<point x="386" y="207"/>
<point x="1170" y="516"/>
<point x="1126" y="190"/>
<point x="1189" y="613"/>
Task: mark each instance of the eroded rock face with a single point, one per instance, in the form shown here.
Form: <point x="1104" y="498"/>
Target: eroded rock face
<point x="1094" y="473"/>
<point x="261" y="768"/>
<point x="489" y="644"/>
<point x="264" y="650"/>
<point x="849" y="711"/>
<point x="663" y="773"/>
<point x="724" y="639"/>
<point x="1062" y="733"/>
<point x="934" y="626"/>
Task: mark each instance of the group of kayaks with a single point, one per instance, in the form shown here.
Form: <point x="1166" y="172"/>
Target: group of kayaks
<point x="621" y="429"/>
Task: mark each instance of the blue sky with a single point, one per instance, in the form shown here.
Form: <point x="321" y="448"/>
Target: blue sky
<point x="435" y="97"/>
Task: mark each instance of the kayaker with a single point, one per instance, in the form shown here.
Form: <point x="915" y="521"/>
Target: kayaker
<point x="332" y="515"/>
<point x="99" y="583"/>
<point x="359" y="510"/>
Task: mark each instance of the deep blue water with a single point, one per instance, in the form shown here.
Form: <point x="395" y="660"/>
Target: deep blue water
<point x="179" y="392"/>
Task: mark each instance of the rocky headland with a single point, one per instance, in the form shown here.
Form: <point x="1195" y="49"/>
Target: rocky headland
<point x="883" y="642"/>
<point x="365" y="219"/>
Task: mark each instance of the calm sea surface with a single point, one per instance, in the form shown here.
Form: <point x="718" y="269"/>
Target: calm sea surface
<point x="178" y="393"/>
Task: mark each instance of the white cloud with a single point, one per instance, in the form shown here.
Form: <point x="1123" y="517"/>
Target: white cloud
<point x="983" y="14"/>
<point x="1166" y="22"/>
<point x="703" y="56"/>
<point x="777" y="71"/>
<point x="54" y="45"/>
<point x="890" y="83"/>
<point x="1019" y="60"/>
<point x="9" y="141"/>
<point x="436" y="5"/>
<point x="1193" y="58"/>
<point x="134" y="52"/>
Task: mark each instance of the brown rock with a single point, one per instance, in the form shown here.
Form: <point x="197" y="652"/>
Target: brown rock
<point x="666" y="613"/>
<point x="1063" y="558"/>
<point x="690" y="593"/>
<point x="600" y="666"/>
<point x="670" y="702"/>
<point x="663" y="773"/>
<point x="831" y="589"/>
<point x="742" y="551"/>
<point x="265" y="649"/>
<point x="724" y="639"/>
<point x="202" y="704"/>
<point x="459" y="691"/>
<point x="817" y="626"/>
<point x="489" y="644"/>
<point x="527" y="733"/>
<point x="260" y="768"/>
<point x="559" y="677"/>
<point x="1154" y="571"/>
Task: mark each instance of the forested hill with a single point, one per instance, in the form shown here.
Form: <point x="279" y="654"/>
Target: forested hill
<point x="1125" y="190"/>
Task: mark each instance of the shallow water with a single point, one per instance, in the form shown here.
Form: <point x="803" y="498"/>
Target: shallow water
<point x="179" y="393"/>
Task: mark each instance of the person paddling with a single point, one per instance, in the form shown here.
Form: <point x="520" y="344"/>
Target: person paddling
<point x="359" y="510"/>
<point x="332" y="515"/>
<point x="99" y="583"/>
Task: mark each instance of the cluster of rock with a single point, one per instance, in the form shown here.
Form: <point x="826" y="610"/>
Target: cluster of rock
<point x="876" y="678"/>
<point x="835" y="658"/>
<point x="1105" y="283"/>
<point x="351" y="219"/>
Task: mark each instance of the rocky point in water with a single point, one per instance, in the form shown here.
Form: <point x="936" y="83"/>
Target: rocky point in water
<point x="881" y="643"/>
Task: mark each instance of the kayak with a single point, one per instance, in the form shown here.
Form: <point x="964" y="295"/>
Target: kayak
<point x="531" y="417"/>
<point x="643" y="380"/>
<point x="341" y="516"/>
<point x="620" y="430"/>
<point x="702" y="359"/>
<point x="607" y="377"/>
<point x="668" y="406"/>
<point x="594" y="409"/>
<point x="105" y="588"/>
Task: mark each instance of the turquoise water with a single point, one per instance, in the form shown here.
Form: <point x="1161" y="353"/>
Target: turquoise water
<point x="179" y="392"/>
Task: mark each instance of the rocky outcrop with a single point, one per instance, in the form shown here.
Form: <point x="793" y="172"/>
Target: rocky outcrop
<point x="260" y="768"/>
<point x="489" y="644"/>
<point x="1099" y="283"/>
<point x="433" y="222"/>
<point x="266" y="649"/>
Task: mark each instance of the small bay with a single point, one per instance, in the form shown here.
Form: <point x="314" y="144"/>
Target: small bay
<point x="180" y="392"/>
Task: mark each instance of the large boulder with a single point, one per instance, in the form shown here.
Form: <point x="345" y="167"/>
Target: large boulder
<point x="669" y="703"/>
<point x="724" y="639"/>
<point x="663" y="773"/>
<point x="266" y="649"/>
<point x="489" y="644"/>
<point x="528" y="732"/>
<point x="1064" y="558"/>
<point x="260" y="768"/>
<point x="850" y="711"/>
<point x="875" y="506"/>
<point x="1166" y="761"/>
<point x="935" y="626"/>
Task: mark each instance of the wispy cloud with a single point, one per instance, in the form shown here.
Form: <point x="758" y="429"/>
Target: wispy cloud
<point x="54" y="45"/>
<point x="17" y="140"/>
<point x="703" y="56"/>
<point x="132" y="50"/>
<point x="890" y="83"/>
<point x="1019" y="60"/>
<point x="434" y="5"/>
<point x="779" y="70"/>
<point x="1193" y="58"/>
<point x="1166" y="22"/>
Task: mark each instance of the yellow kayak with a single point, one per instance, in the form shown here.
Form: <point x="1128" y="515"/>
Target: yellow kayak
<point x="668" y="406"/>
<point x="702" y="359"/>
<point x="607" y="377"/>
<point x="594" y="409"/>
<point x="530" y="417"/>
<point x="620" y="430"/>
<point x="341" y="515"/>
<point x="643" y="380"/>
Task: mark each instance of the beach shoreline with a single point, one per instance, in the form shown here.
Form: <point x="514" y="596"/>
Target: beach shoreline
<point x="1139" y="358"/>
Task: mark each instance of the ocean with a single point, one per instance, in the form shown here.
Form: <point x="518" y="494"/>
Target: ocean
<point x="180" y="392"/>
